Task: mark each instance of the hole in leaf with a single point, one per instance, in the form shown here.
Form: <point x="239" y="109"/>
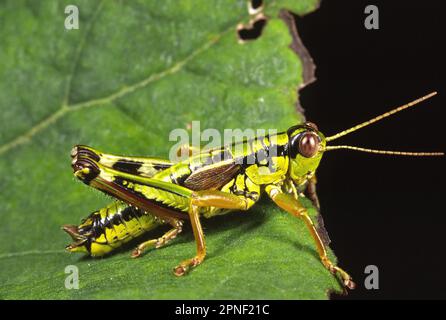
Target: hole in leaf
<point x="253" y="30"/>
<point x="255" y="6"/>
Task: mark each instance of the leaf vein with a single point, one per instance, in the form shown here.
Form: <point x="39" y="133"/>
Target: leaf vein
<point x="125" y="90"/>
<point x="78" y="53"/>
<point x="30" y="252"/>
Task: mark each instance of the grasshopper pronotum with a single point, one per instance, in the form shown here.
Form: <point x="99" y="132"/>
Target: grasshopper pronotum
<point x="153" y="191"/>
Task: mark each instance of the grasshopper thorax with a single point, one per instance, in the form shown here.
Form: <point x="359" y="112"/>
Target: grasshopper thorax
<point x="306" y="145"/>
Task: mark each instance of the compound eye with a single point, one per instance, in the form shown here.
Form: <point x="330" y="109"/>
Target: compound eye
<point x="308" y="145"/>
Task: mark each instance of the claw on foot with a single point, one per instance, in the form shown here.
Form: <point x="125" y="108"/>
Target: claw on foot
<point x="346" y="279"/>
<point x="185" y="266"/>
<point x="180" y="270"/>
<point x="349" y="284"/>
<point x="136" y="254"/>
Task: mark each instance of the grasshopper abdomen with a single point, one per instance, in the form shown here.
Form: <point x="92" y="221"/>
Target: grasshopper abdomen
<point x="108" y="228"/>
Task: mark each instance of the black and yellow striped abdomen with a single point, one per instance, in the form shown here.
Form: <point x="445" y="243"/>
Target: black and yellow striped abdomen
<point x="110" y="227"/>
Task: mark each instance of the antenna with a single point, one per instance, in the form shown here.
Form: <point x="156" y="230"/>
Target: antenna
<point x="380" y="117"/>
<point x="388" y="152"/>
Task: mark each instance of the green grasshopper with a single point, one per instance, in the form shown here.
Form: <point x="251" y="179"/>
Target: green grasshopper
<point x="152" y="191"/>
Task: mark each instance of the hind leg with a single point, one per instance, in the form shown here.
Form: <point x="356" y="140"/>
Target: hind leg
<point x="158" y="243"/>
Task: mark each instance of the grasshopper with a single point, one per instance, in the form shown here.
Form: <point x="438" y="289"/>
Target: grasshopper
<point x="151" y="191"/>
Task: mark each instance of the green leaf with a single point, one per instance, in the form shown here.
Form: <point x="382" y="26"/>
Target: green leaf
<point x="133" y="72"/>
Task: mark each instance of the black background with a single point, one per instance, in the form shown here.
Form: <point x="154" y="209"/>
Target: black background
<point x="382" y="210"/>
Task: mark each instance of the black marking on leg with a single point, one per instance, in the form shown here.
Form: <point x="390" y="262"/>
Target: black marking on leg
<point x="82" y="163"/>
<point x="82" y="151"/>
<point x="127" y="166"/>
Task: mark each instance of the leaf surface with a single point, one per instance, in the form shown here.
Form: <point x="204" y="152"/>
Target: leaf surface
<point x="132" y="73"/>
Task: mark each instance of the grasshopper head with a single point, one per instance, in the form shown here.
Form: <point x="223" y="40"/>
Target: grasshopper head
<point x="306" y="145"/>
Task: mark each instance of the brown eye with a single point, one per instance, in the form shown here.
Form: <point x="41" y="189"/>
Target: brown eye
<point x="308" y="145"/>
